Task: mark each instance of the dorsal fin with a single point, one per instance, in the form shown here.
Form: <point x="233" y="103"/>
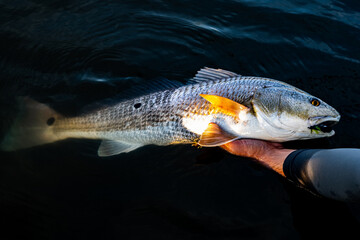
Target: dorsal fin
<point x="151" y="86"/>
<point x="136" y="90"/>
<point x="211" y="74"/>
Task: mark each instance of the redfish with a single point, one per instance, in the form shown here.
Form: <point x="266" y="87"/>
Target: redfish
<point x="215" y="108"/>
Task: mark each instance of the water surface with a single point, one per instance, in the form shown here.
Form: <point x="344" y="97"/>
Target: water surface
<point x="72" y="53"/>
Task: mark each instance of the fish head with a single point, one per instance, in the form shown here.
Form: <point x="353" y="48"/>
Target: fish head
<point x="288" y="113"/>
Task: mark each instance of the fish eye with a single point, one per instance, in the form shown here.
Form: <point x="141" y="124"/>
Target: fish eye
<point x="315" y="102"/>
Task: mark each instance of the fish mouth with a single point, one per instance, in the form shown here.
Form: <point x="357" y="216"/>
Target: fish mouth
<point x="323" y="124"/>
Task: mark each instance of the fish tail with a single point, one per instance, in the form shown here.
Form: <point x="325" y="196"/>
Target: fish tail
<point x="34" y="125"/>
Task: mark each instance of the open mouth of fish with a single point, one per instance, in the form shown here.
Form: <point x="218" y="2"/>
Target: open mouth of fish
<point x="325" y="124"/>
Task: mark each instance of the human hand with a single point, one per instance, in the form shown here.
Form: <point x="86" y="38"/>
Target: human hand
<point x="251" y="148"/>
<point x="269" y="154"/>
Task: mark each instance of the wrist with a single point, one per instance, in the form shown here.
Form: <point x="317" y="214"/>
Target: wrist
<point x="274" y="159"/>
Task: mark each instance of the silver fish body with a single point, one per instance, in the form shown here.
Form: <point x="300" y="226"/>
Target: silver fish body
<point x="275" y="111"/>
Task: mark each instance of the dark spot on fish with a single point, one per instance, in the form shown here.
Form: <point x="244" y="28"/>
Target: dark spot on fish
<point x="137" y="105"/>
<point x="50" y="121"/>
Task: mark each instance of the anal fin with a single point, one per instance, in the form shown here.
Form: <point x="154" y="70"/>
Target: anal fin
<point x="111" y="147"/>
<point x="214" y="136"/>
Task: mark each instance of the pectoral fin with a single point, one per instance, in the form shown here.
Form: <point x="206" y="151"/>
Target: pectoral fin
<point x="225" y="105"/>
<point x="110" y="148"/>
<point x="214" y="136"/>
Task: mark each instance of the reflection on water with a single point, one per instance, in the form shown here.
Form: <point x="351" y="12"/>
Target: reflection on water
<point x="72" y="53"/>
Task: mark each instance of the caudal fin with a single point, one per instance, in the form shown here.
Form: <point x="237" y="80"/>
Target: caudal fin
<point x="33" y="126"/>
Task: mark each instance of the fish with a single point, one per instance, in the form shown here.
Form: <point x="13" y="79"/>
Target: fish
<point x="213" y="108"/>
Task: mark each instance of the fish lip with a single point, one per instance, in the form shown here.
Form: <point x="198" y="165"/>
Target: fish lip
<point x="323" y="123"/>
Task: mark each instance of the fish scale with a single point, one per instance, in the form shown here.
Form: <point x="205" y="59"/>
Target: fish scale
<point x="156" y="111"/>
<point x="159" y="109"/>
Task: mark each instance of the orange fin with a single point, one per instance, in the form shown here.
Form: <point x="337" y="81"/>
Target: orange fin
<point x="214" y="136"/>
<point x="227" y="106"/>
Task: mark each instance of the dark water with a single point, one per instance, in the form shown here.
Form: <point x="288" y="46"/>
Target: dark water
<point x="72" y="53"/>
